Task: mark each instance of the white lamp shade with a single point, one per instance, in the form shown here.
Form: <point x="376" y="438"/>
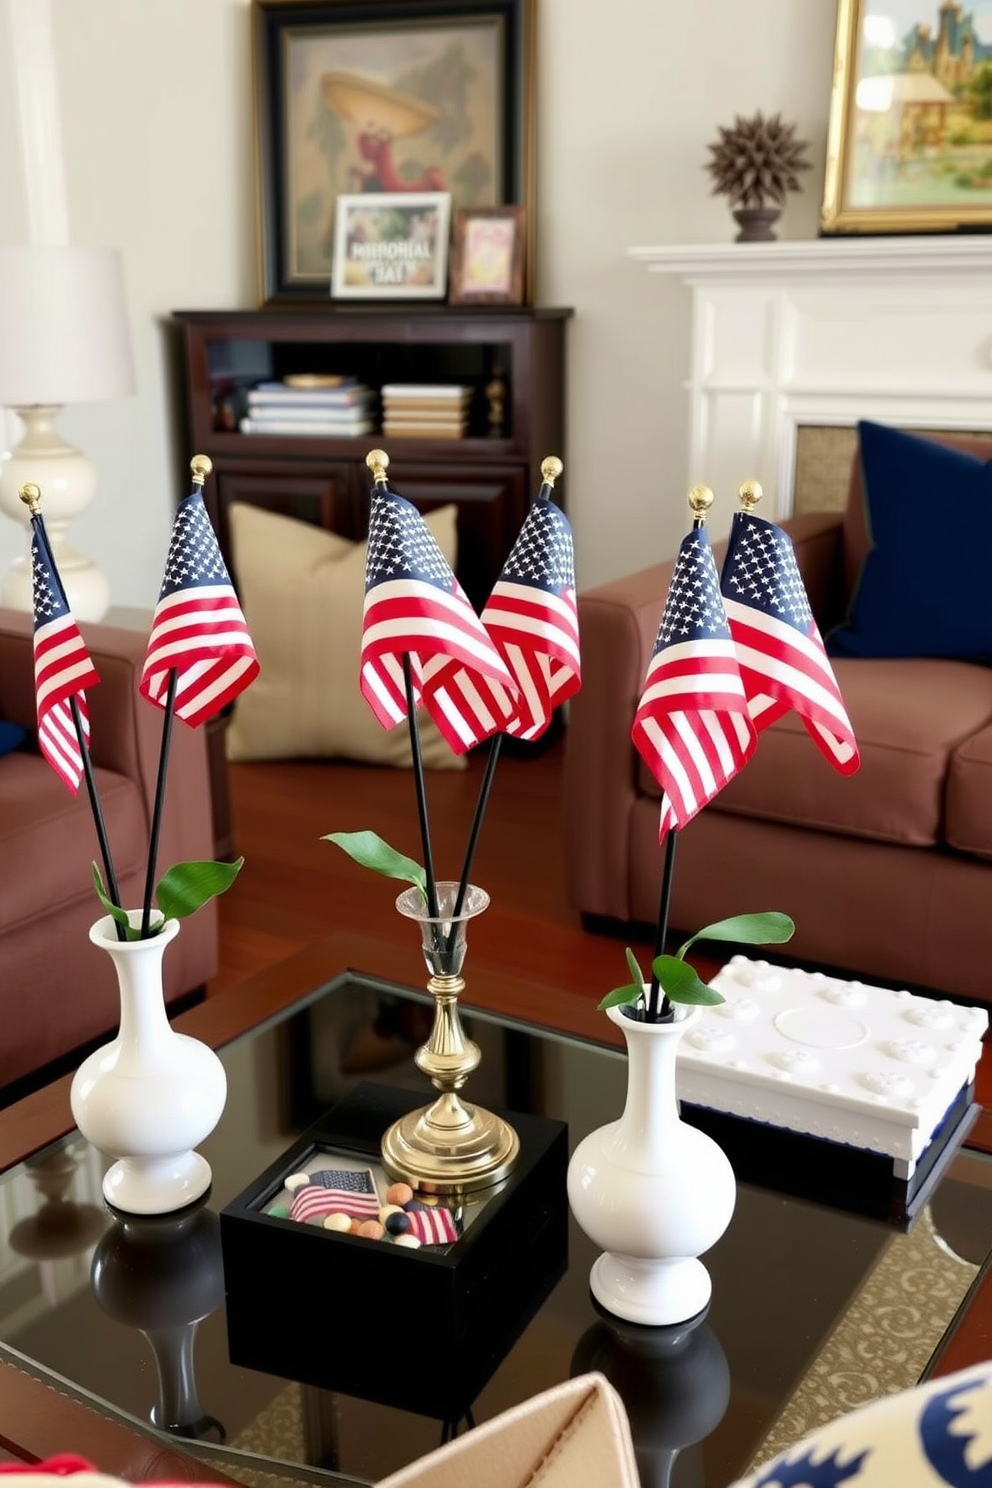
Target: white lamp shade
<point x="64" y="334"/>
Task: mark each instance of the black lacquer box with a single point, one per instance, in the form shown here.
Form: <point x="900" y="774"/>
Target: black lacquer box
<point x="421" y="1330"/>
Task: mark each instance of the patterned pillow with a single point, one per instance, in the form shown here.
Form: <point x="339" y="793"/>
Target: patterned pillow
<point x="938" y="1435"/>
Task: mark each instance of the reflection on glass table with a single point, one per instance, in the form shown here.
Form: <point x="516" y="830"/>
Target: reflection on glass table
<point x="163" y="1276"/>
<point x="675" y="1383"/>
<point x="814" y="1309"/>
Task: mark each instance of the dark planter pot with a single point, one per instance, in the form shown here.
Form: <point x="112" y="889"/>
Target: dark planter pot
<point x="756" y="224"/>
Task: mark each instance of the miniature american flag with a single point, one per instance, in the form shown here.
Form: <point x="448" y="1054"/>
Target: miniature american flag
<point x="432" y="1224"/>
<point x="336" y="1191"/>
<point x="414" y="605"/>
<point x="691" y="727"/>
<point x="531" y="617"/>
<point x="198" y="629"/>
<point x="782" y="660"/>
<point x="62" y="667"/>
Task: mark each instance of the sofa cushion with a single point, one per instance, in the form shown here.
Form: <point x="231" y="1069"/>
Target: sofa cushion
<point x="909" y="718"/>
<point x="856" y="543"/>
<point x="48" y="835"/>
<point x="923" y="588"/>
<point x="11" y="735"/>
<point x="968" y="811"/>
<point x="302" y="590"/>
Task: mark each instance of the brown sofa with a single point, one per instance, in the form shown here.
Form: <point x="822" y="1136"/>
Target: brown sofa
<point x="58" y="993"/>
<point x="884" y="872"/>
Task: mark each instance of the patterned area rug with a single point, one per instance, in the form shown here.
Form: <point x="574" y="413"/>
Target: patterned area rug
<point x="276" y="1432"/>
<point x="886" y="1338"/>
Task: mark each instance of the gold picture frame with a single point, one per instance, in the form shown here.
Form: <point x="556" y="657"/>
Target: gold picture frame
<point x="909" y="144"/>
<point x="377" y="97"/>
<point x="487" y="256"/>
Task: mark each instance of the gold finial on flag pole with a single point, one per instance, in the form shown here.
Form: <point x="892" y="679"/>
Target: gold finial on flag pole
<point x="378" y="462"/>
<point x="30" y="494"/>
<point x="551" y="469"/>
<point x="749" y="494"/>
<point x="201" y="466"/>
<point x="700" y="500"/>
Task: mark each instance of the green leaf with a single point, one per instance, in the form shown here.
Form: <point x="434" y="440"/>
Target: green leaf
<point x="120" y="915"/>
<point x="369" y="849"/>
<point x="620" y="996"/>
<point x="679" y="982"/>
<point x="766" y="928"/>
<point x="187" y="886"/>
<point x="636" y="974"/>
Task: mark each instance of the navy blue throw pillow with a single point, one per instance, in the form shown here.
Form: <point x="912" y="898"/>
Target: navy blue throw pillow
<point x="924" y="589"/>
<point x="11" y="734"/>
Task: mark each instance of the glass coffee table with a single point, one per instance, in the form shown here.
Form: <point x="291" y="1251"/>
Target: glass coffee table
<point x="815" y="1310"/>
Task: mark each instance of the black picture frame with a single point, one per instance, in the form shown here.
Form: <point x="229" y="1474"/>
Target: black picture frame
<point x="338" y="52"/>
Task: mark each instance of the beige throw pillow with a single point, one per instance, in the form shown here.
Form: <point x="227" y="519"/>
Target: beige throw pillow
<point x="302" y="591"/>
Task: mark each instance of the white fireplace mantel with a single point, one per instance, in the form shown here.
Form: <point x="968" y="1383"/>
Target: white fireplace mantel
<point x="827" y="331"/>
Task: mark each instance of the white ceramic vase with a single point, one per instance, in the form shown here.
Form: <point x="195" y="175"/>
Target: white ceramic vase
<point x="151" y="1095"/>
<point x="651" y="1190"/>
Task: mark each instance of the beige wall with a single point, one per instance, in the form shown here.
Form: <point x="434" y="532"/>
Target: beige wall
<point x="156" y="106"/>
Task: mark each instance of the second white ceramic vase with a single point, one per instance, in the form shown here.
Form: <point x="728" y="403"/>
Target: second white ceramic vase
<point x="651" y="1190"/>
<point x="151" y="1095"/>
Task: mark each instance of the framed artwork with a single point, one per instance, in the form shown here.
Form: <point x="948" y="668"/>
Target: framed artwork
<point x="368" y="97"/>
<point x="487" y="256"/>
<point x="391" y="246"/>
<point x="909" y="146"/>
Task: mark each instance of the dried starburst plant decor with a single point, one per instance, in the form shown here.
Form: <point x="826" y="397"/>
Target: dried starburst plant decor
<point x="755" y="164"/>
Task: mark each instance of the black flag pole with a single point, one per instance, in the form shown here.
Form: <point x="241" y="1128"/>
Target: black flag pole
<point x="700" y="501"/>
<point x="156" y="827"/>
<point x="113" y="892"/>
<point x="378" y="463"/>
<point x="201" y="466"/>
<point x="418" y="775"/>
<point x="661" y="927"/>
<point x="551" y="469"/>
<point x="30" y="494"/>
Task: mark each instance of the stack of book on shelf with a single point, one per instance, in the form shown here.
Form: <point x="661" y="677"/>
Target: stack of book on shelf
<point x="414" y="410"/>
<point x="311" y="406"/>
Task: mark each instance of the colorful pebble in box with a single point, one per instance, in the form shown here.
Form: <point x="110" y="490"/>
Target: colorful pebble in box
<point x="346" y="1201"/>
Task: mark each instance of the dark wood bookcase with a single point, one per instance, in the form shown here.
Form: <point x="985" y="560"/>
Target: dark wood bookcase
<point x="491" y="475"/>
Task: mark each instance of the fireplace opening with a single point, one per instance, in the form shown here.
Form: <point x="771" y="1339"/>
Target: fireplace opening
<point x="823" y="463"/>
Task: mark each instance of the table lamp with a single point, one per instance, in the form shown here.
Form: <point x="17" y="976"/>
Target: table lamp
<point x="64" y="339"/>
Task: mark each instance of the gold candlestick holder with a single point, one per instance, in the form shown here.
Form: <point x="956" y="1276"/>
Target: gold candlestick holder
<point x="449" y="1148"/>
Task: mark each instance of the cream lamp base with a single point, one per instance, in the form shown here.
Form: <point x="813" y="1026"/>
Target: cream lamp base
<point x="67" y="481"/>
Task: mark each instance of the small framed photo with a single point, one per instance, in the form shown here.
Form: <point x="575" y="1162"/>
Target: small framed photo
<point x="488" y="256"/>
<point x="391" y="246"/>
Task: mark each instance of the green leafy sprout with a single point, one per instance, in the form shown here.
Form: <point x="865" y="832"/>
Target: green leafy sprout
<point x="677" y="979"/>
<point x="371" y="851"/>
<point x="179" y="893"/>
